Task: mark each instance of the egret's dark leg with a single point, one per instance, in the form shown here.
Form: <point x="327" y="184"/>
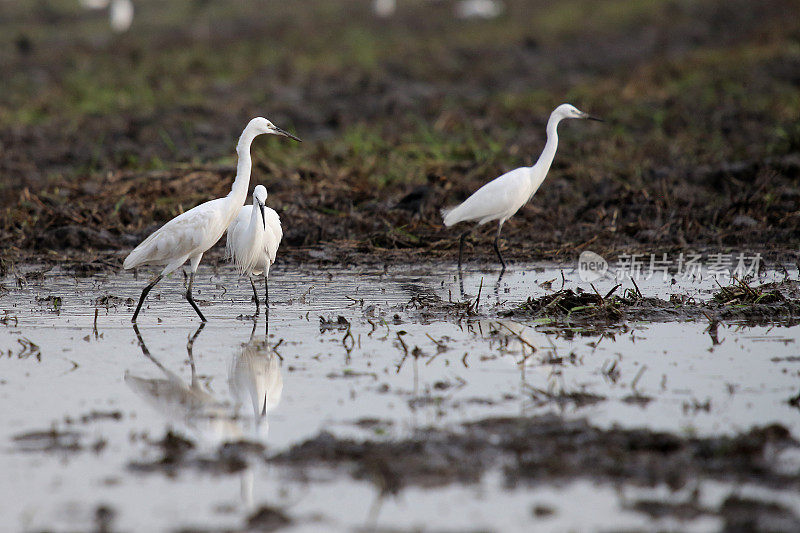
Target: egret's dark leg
<point x="191" y="300"/>
<point x="497" y="247"/>
<point x="461" y="247"/>
<point x="255" y="295"/>
<point x="145" y="292"/>
<point x="266" y="302"/>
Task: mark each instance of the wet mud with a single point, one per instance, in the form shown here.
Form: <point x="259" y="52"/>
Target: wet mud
<point x="400" y="386"/>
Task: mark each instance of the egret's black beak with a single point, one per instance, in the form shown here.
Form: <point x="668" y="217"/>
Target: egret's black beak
<point x="286" y="134"/>
<point x="263" y="218"/>
<point x="590" y="117"/>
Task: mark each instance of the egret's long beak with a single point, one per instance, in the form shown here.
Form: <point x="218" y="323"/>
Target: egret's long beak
<point x="587" y="116"/>
<point x="263" y="218"/>
<point x="286" y="134"/>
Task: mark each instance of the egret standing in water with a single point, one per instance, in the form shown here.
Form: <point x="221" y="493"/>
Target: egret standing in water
<point x="189" y="235"/>
<point x="502" y="197"/>
<point x="253" y="240"/>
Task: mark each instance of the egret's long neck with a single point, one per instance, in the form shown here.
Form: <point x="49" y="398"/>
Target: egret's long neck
<point x="238" y="192"/>
<point x="539" y="170"/>
<point x="549" y="152"/>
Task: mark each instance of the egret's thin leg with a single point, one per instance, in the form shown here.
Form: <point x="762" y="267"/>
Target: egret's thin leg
<point x="145" y="292"/>
<point x="191" y="300"/>
<point x="255" y="295"/>
<point x="461" y="248"/>
<point x="266" y="302"/>
<point x="497" y="247"/>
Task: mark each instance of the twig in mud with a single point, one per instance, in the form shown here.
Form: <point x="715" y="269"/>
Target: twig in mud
<point x="374" y="327"/>
<point x="464" y="360"/>
<point x="95" y="323"/>
<point x="359" y="301"/>
<point x="597" y="293"/>
<point x="440" y="346"/>
<point x="275" y="349"/>
<point x="518" y="336"/>
<point x="612" y="291"/>
<point x="478" y="299"/>
<point x="352" y="341"/>
<point x="563" y="280"/>
<point x="303" y="297"/>
<point x="636" y="379"/>
<point x="405" y="352"/>
<point x="637" y="287"/>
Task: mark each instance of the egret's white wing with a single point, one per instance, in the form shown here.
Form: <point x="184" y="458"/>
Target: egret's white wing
<point x="274" y="232"/>
<point x="190" y="233"/>
<point x="237" y="229"/>
<point x="500" y="198"/>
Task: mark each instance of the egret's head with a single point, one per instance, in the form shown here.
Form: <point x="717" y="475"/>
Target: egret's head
<point x="261" y="125"/>
<point x="259" y="199"/>
<point x="570" y="111"/>
<point x="260" y="194"/>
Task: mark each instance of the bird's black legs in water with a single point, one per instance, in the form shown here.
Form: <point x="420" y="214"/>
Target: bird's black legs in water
<point x="191" y="300"/>
<point x="255" y="295"/>
<point x="144" y="295"/>
<point x="497" y="248"/>
<point x="152" y="284"/>
<point x="266" y="303"/>
<point x="461" y="248"/>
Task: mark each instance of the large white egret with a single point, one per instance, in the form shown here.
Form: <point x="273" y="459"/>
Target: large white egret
<point x="253" y="240"/>
<point x="502" y="197"/>
<point x="189" y="235"/>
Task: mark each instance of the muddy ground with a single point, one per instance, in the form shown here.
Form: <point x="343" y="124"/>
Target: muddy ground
<point x="393" y="401"/>
<point x="104" y="136"/>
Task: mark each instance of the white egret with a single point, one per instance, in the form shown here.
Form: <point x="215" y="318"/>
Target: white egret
<point x="502" y="197"/>
<point x="479" y="9"/>
<point x="120" y="13"/>
<point x="189" y="235"/>
<point x="253" y="240"/>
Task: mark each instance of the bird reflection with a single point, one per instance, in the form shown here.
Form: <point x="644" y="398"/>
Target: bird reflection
<point x="254" y="376"/>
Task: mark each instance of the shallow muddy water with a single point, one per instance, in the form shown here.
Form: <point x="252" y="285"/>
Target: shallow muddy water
<point x="86" y="397"/>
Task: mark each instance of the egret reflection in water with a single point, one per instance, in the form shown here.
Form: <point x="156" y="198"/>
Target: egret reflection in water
<point x="254" y="376"/>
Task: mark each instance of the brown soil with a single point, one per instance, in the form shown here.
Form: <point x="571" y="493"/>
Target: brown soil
<point x="702" y="148"/>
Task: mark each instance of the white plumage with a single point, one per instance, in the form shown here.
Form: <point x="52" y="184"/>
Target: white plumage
<point x="502" y="197"/>
<point x="189" y="235"/>
<point x="254" y="376"/>
<point x="253" y="239"/>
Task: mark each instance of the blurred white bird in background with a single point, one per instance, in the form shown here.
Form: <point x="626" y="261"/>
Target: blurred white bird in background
<point x="479" y="9"/>
<point x="253" y="240"/>
<point x="502" y="197"/>
<point x="384" y="8"/>
<point x="189" y="235"/>
<point x="120" y="12"/>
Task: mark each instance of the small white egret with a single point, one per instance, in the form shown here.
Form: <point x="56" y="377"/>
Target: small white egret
<point x="502" y="197"/>
<point x="253" y="240"/>
<point x="189" y="235"/>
